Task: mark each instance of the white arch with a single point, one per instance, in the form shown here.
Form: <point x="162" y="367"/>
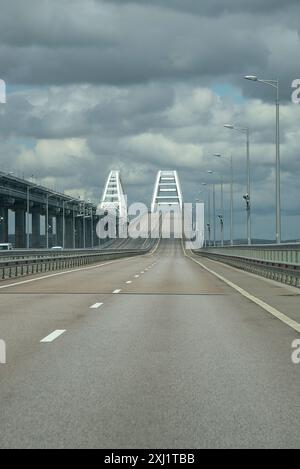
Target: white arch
<point x="167" y="191"/>
<point x="113" y="197"/>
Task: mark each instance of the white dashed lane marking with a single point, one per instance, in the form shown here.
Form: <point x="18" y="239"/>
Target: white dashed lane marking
<point x="54" y="335"/>
<point x="96" y="306"/>
<point x="115" y="292"/>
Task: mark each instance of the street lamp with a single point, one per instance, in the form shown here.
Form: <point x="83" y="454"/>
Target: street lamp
<point x="214" y="208"/>
<point x="246" y="131"/>
<point x="83" y="224"/>
<point x="47" y="217"/>
<point x="229" y="160"/>
<point x="209" y="209"/>
<point x="221" y="218"/>
<point x="209" y="236"/>
<point x="90" y="206"/>
<point x="222" y="205"/>
<point x="274" y="84"/>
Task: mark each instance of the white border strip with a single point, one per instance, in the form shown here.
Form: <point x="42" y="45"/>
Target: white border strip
<point x="282" y="317"/>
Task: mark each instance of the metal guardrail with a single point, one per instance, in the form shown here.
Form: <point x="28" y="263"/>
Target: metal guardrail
<point x="12" y="268"/>
<point x="40" y="253"/>
<point x="277" y="262"/>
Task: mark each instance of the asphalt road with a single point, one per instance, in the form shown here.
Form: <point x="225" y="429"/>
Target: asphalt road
<point x="174" y="358"/>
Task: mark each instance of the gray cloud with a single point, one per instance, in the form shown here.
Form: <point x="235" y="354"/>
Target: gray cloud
<point x="123" y="43"/>
<point x="142" y="86"/>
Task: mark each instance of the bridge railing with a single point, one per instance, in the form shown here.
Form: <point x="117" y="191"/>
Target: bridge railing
<point x="277" y="262"/>
<point x="18" y="254"/>
<point x="11" y="268"/>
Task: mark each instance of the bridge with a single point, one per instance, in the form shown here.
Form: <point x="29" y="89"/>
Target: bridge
<point x="42" y="217"/>
<point x="147" y="343"/>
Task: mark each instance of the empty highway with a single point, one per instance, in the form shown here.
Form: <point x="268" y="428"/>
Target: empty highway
<point x="153" y="351"/>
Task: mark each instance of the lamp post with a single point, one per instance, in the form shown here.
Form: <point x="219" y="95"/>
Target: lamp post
<point x="64" y="226"/>
<point x="84" y="243"/>
<point x="274" y="84"/>
<point x="47" y="217"/>
<point x="229" y="160"/>
<point x="222" y="214"/>
<point x="214" y="209"/>
<point x="214" y="206"/>
<point x="64" y="221"/>
<point x="74" y="228"/>
<point x="92" y="224"/>
<point x="246" y="131"/>
<point x="221" y="219"/>
<point x="209" y="211"/>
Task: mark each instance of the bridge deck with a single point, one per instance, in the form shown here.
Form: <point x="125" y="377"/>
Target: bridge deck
<point x="176" y="358"/>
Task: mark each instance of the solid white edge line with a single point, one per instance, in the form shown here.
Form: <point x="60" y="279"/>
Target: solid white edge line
<point x="281" y="316"/>
<point x="96" y="306"/>
<point x="156" y="247"/>
<point x="54" y="335"/>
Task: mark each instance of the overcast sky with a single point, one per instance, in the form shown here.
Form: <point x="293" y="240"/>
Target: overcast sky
<point x="144" y="85"/>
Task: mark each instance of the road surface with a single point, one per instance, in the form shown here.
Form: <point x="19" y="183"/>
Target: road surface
<point x="148" y="352"/>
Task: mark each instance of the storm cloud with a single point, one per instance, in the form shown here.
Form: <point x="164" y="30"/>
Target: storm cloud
<point x="146" y="85"/>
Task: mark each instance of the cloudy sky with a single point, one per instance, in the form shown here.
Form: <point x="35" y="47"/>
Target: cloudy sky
<point x="144" y="85"/>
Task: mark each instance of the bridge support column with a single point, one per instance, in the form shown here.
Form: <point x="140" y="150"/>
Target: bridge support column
<point x="69" y="232"/>
<point x="36" y="229"/>
<point x="50" y="230"/>
<point x="95" y="237"/>
<point x="79" y="233"/>
<point x="59" y="230"/>
<point x="3" y="224"/>
<point x="88" y="233"/>
<point x="20" y="227"/>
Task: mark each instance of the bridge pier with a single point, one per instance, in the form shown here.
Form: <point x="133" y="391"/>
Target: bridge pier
<point x="95" y="237"/>
<point x="69" y="232"/>
<point x="79" y="232"/>
<point x="59" y="229"/>
<point x="3" y="224"/>
<point x="50" y="230"/>
<point x="20" y="226"/>
<point x="36" y="228"/>
<point x="88" y="242"/>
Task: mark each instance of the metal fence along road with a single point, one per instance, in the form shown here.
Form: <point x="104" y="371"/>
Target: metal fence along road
<point x="11" y="268"/>
<point x="276" y="262"/>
